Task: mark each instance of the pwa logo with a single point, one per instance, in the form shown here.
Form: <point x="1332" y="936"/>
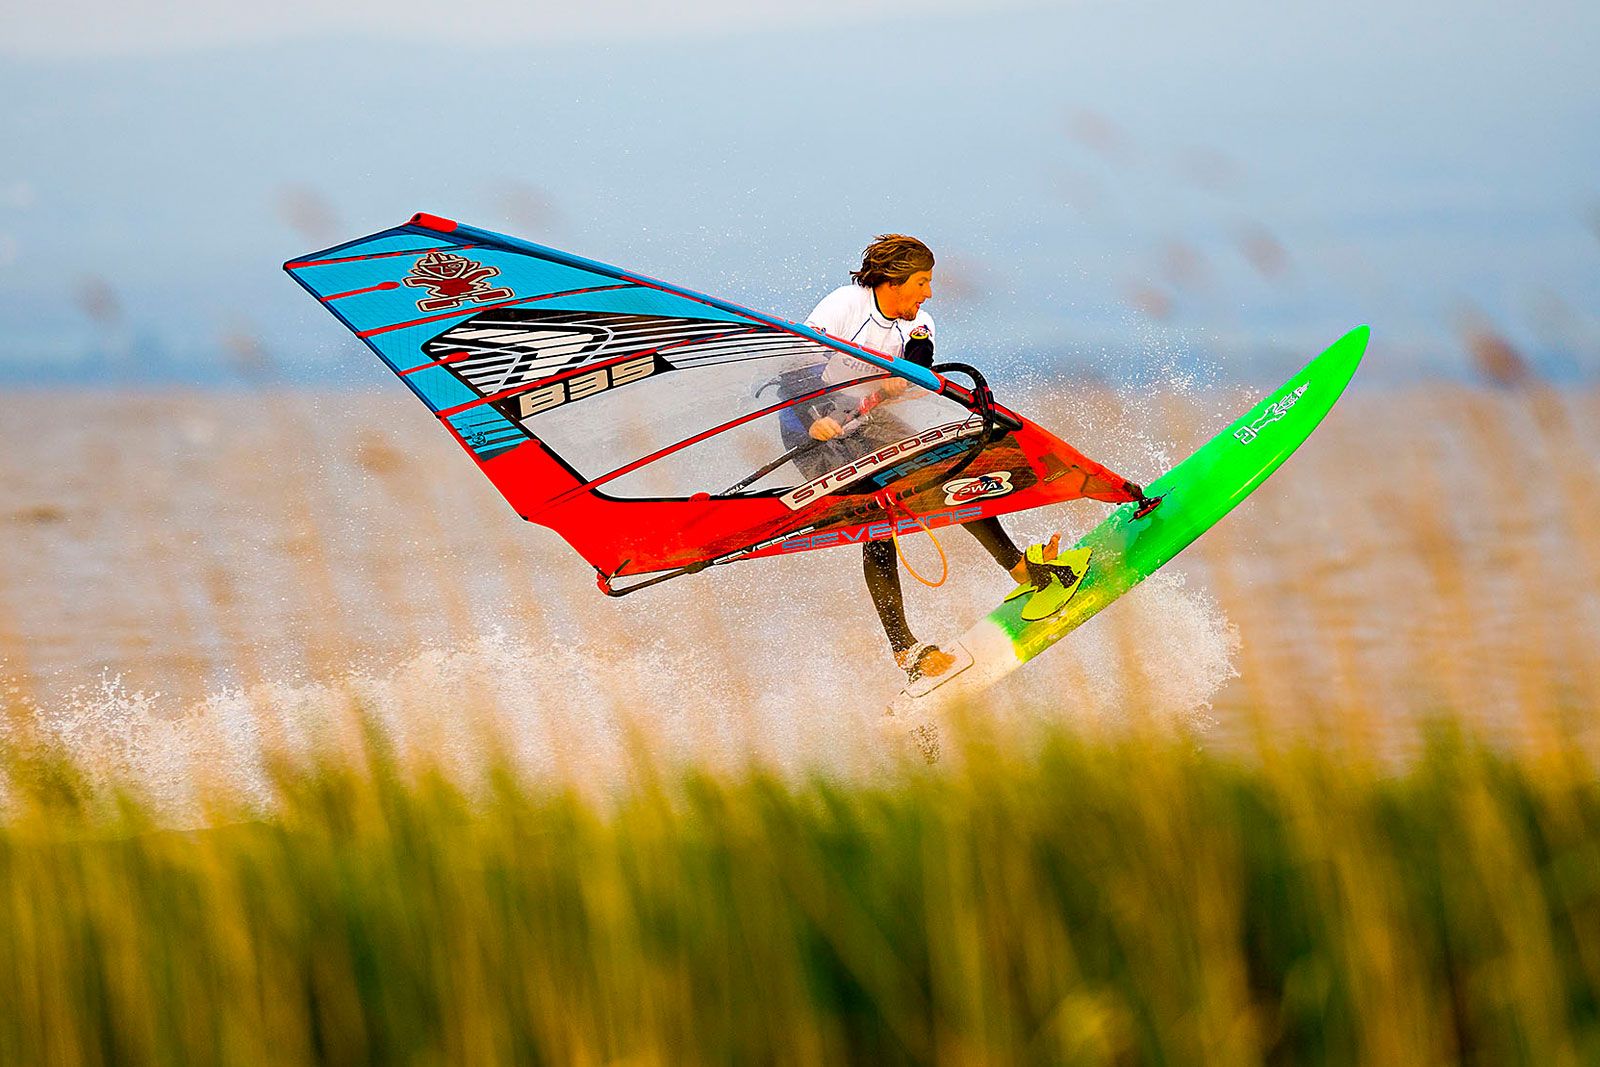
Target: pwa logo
<point x="963" y="490"/>
<point x="452" y="280"/>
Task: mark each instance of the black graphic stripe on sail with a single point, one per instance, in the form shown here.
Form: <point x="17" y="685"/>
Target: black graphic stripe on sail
<point x="508" y="348"/>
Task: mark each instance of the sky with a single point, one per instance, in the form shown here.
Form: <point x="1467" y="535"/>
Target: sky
<point x="77" y="28"/>
<point x="1108" y="185"/>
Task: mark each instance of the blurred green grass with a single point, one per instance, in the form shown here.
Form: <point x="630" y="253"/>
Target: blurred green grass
<point x="1112" y="899"/>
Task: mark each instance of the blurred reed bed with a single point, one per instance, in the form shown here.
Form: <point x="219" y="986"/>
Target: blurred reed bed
<point x="1074" y="898"/>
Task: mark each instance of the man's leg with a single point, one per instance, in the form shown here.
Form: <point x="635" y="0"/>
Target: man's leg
<point x="993" y="537"/>
<point x="883" y="582"/>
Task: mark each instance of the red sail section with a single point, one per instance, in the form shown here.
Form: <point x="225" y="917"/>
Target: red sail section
<point x="894" y="493"/>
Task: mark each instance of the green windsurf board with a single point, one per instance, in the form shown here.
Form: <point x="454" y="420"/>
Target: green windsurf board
<point x="1128" y="547"/>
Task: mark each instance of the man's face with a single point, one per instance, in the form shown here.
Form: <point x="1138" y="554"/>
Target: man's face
<point x="906" y="298"/>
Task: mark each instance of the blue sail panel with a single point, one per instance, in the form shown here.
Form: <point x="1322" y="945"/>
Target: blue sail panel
<point x="613" y="373"/>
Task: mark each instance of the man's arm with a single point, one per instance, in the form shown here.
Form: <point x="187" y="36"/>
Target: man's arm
<point x="836" y="315"/>
<point x="828" y="317"/>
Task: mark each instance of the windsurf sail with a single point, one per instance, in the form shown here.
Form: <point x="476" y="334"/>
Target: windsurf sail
<point x="662" y="430"/>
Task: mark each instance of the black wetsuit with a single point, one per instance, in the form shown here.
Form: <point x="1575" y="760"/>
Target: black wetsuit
<point x="883" y="576"/>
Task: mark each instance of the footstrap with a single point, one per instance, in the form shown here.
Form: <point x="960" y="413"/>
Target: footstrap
<point x="911" y="658"/>
<point x="886" y="501"/>
<point x="1041" y="570"/>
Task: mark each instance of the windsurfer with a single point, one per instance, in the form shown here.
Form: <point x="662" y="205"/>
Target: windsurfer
<point x="881" y="309"/>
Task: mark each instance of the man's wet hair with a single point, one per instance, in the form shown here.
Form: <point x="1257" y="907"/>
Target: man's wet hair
<point x="892" y="257"/>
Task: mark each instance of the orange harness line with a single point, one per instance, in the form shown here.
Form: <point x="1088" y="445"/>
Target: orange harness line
<point x="887" y="502"/>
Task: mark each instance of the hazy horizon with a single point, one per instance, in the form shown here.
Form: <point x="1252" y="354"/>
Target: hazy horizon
<point x="1105" y="183"/>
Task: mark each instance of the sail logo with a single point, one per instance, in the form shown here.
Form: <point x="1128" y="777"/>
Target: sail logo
<point x="877" y="531"/>
<point x="452" y="281"/>
<point x="1273" y="412"/>
<point x="965" y="490"/>
<point x="863" y="466"/>
<point x="943" y="452"/>
<point x="581" y="383"/>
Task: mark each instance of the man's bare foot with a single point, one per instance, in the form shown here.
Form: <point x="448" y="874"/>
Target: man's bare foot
<point x="1049" y="549"/>
<point x="931" y="661"/>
